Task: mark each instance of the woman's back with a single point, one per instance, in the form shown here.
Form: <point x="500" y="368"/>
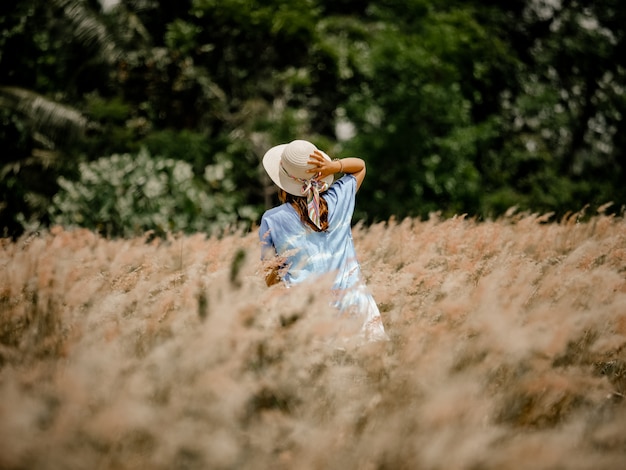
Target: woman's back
<point x="312" y="235"/>
<point x="310" y="253"/>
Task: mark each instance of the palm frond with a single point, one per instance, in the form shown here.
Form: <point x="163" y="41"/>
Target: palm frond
<point x="50" y="118"/>
<point x="89" y="29"/>
<point x="129" y="26"/>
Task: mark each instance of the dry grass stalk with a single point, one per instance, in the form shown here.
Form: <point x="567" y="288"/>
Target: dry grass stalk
<point x="507" y="351"/>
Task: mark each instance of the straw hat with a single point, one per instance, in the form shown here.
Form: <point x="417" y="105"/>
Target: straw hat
<point x="287" y="164"/>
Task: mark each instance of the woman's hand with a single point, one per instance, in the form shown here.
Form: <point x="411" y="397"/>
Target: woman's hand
<point x="322" y="166"/>
<point x="272" y="276"/>
<point x="351" y="165"/>
<point x="274" y="269"/>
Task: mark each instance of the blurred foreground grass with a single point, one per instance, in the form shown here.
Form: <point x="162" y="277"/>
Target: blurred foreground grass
<point x="507" y="350"/>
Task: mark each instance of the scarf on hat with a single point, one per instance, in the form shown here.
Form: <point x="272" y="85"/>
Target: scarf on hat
<point x="311" y="188"/>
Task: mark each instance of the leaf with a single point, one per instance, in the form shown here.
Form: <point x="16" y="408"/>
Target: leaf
<point x="89" y="29"/>
<point x="44" y="115"/>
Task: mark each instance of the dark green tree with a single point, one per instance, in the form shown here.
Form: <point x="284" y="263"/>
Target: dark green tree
<point x="457" y="106"/>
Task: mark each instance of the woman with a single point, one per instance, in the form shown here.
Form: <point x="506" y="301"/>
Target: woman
<point x="310" y="232"/>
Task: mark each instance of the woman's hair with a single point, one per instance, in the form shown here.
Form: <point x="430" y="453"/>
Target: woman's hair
<point x="300" y="204"/>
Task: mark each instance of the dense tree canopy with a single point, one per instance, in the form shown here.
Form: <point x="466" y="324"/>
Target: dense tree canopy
<point x="457" y="106"/>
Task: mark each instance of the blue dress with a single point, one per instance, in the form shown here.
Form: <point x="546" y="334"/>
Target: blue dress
<point x="309" y="253"/>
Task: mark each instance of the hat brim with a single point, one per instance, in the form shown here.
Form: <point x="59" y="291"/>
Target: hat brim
<point x="271" y="163"/>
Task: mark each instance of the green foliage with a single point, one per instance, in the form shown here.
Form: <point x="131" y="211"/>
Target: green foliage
<point x="185" y="145"/>
<point x="127" y="195"/>
<point x="417" y="134"/>
<point x="457" y="107"/>
<point x="181" y="36"/>
<point x="289" y="17"/>
<point x="113" y="110"/>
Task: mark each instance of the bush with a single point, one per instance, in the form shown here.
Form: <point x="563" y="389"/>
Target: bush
<point x="126" y="195"/>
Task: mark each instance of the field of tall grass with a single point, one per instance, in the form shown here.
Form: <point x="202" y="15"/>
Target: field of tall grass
<point x="507" y="350"/>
